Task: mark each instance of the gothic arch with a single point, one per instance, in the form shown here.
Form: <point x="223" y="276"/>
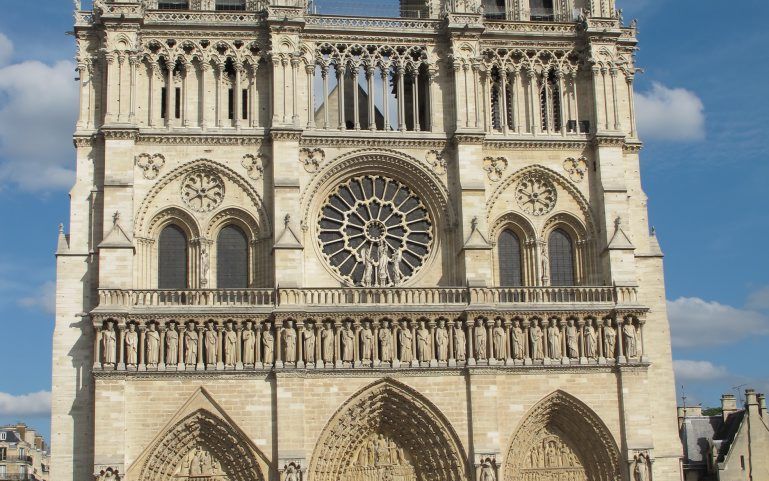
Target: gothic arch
<point x="396" y="413"/>
<point x="561" y="433"/>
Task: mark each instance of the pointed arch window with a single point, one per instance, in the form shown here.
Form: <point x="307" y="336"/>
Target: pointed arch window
<point x="232" y="258"/>
<point x="561" y="252"/>
<point x="172" y="258"/>
<point x="510" y="265"/>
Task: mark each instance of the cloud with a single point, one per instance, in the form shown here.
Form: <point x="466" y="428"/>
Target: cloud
<point x="38" y="111"/>
<point x="698" y="371"/>
<point x="6" y="50"/>
<point x="32" y="404"/>
<point x="45" y="300"/>
<point x="759" y="299"/>
<point x="697" y="323"/>
<point x="670" y="114"/>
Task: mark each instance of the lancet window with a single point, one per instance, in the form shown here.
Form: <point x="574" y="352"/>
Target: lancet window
<point x="172" y="258"/>
<point x="232" y="258"/>
<point x="561" y="254"/>
<point x="550" y="98"/>
<point x="510" y="265"/>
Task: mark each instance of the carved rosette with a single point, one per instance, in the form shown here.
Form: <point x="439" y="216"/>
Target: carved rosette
<point x="375" y="232"/>
<point x="203" y="191"/>
<point x="254" y="165"/>
<point x="576" y="168"/>
<point x="536" y="194"/>
<point x="312" y="159"/>
<point x="436" y="160"/>
<point x="495" y="167"/>
<point x="150" y="164"/>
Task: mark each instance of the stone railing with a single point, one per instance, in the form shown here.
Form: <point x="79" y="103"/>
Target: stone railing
<point x="391" y="297"/>
<point x="349" y="22"/>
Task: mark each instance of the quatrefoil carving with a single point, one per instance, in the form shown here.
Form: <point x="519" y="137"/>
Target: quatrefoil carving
<point x="150" y="164"/>
<point x="436" y="160"/>
<point x="576" y="168"/>
<point x="312" y="159"/>
<point x="254" y="165"/>
<point x="495" y="167"/>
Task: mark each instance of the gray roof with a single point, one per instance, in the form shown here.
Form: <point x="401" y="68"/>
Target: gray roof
<point x="696" y="433"/>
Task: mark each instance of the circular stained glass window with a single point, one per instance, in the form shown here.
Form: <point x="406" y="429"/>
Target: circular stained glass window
<point x="375" y="232"/>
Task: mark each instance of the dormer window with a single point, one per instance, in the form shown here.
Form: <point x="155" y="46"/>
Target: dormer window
<point x="231" y="5"/>
<point x="542" y="10"/>
<point x="173" y="5"/>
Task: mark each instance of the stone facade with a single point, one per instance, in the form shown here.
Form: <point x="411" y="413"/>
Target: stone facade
<point x="445" y="270"/>
<point x="24" y="455"/>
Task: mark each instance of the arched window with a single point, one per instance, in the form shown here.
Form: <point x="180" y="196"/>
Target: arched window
<point x="509" y="252"/>
<point x="561" y="251"/>
<point x="172" y="258"/>
<point x="232" y="258"/>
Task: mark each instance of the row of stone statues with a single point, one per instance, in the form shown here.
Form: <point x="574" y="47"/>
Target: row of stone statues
<point x="233" y="344"/>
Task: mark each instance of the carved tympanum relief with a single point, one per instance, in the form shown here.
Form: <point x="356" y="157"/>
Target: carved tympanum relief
<point x="536" y="194"/>
<point x="203" y="191"/>
<point x="198" y="464"/>
<point x="375" y="232"/>
<point x="150" y="164"/>
<point x="551" y="459"/>
<point x="380" y="458"/>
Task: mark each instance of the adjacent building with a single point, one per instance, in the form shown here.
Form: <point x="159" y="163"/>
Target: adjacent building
<point x="23" y="454"/>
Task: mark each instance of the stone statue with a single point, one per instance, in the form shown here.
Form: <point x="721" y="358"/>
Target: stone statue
<point x="204" y="263"/>
<point x="108" y="344"/>
<point x="366" y="343"/>
<point x="289" y="342"/>
<point x="487" y="472"/>
<point x="397" y="261"/>
<point x="191" y="345"/>
<point x="268" y="344"/>
<point x="131" y="345"/>
<point x="172" y="345"/>
<point x="210" y="340"/>
<point x="348" y="344"/>
<point x="480" y="340"/>
<point x="368" y="268"/>
<point x="308" y="337"/>
<point x="498" y="338"/>
<point x="611" y="339"/>
<point x="153" y="345"/>
<point x="536" y="341"/>
<point x="406" y="338"/>
<point x="249" y="344"/>
<point x="383" y="456"/>
<point x="327" y="343"/>
<point x="629" y="338"/>
<point x="572" y="340"/>
<point x="385" y="342"/>
<point x="554" y="340"/>
<point x="230" y="345"/>
<point x="518" y="340"/>
<point x="641" y="468"/>
<point x="442" y="341"/>
<point x="460" y="343"/>
<point x="384" y="266"/>
<point x="292" y="474"/>
<point x="423" y="343"/>
<point x="591" y="341"/>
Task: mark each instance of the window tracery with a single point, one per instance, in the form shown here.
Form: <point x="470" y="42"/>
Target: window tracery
<point x="203" y="191"/>
<point x="536" y="194"/>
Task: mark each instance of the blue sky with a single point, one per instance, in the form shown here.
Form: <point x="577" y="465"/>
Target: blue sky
<point x="703" y="112"/>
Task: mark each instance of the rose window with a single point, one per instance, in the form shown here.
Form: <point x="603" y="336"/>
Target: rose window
<point x="375" y="232"/>
<point x="536" y="195"/>
<point x="203" y="191"/>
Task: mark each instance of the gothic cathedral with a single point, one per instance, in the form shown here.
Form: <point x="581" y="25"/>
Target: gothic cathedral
<point x="314" y="247"/>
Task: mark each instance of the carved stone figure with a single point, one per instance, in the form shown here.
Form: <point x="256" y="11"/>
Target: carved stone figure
<point x="498" y="338"/>
<point x="641" y="468"/>
<point x="108" y="344"/>
<point x="366" y="343"/>
<point x="518" y="340"/>
<point x="172" y="345"/>
<point x="292" y="473"/>
<point x="153" y="345"/>
<point x="131" y="345"/>
<point x="487" y="472"/>
<point x="308" y="337"/>
<point x="368" y="268"/>
<point x="396" y="262"/>
<point x="190" y="345"/>
<point x="348" y="344"/>
<point x="249" y="344"/>
<point x="423" y="343"/>
<point x="289" y="342"/>
<point x="210" y="340"/>
<point x="205" y="262"/>
<point x="230" y="345"/>
<point x="327" y="343"/>
<point x="629" y="339"/>
<point x="611" y="339"/>
<point x="406" y="338"/>
<point x="591" y="341"/>
<point x="460" y="343"/>
<point x="383" y="266"/>
<point x="536" y="341"/>
<point x="572" y="340"/>
<point x="480" y="340"/>
<point x="268" y="344"/>
<point x="385" y="342"/>
<point x="442" y="341"/>
<point x="554" y="340"/>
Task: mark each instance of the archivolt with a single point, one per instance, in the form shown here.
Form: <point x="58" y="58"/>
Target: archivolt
<point x="400" y="413"/>
<point x="578" y="427"/>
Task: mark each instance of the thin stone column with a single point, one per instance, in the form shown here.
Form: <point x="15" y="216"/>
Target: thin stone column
<point x="294" y="91"/>
<point x="415" y="99"/>
<point x="186" y="117"/>
<point x="503" y="100"/>
<point x="631" y="103"/>
<point x="310" y="71"/>
<point x="254" y="96"/>
<point x="577" y="127"/>
<point x="82" y="70"/>
<point x="534" y="100"/>
<point x="170" y="64"/>
<point x="152" y="113"/>
<point x="385" y="100"/>
<point x="613" y="72"/>
<point x="324" y="74"/>
<point x="401" y="99"/>
<point x="110" y="64"/>
<point x="340" y="71"/>
<point x="355" y="99"/>
<point x="561" y="100"/>
<point x="237" y="96"/>
<point x="133" y="61"/>
<point x="205" y="68"/>
<point x="219" y="95"/>
<point x="371" y="109"/>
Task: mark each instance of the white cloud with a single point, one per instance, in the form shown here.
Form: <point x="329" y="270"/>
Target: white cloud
<point x="38" y="110"/>
<point x="32" y="404"/>
<point x="670" y="114"/>
<point x="696" y="323"/>
<point x="6" y="50"/>
<point x="759" y="299"/>
<point x="44" y="299"/>
<point x="698" y="371"/>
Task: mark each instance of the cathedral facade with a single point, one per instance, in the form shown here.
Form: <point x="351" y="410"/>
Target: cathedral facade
<point x="309" y="247"/>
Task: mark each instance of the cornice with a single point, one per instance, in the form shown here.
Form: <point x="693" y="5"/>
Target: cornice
<point x="534" y="144"/>
<point x="199" y="139"/>
<point x="118" y="133"/>
<point x="381" y="141"/>
<point x="83" y="141"/>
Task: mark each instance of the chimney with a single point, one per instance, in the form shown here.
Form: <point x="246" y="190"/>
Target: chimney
<point x="21" y="428"/>
<point x="693" y="411"/>
<point x="681" y="417"/>
<point x="751" y="403"/>
<point x="762" y="407"/>
<point x="728" y="405"/>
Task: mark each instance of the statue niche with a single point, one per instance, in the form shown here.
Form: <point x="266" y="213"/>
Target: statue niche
<point x="552" y="459"/>
<point x="378" y="458"/>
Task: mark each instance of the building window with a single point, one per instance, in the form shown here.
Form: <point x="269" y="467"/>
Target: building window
<point x="231" y="5"/>
<point x="232" y="258"/>
<point x="3" y="454"/>
<point x="2" y="471"/>
<point x="494" y="9"/>
<point x="509" y="251"/>
<point x="173" y="5"/>
<point x="550" y="101"/>
<point x="561" y="251"/>
<point x="542" y="10"/>
<point x="742" y="462"/>
<point x="172" y="259"/>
